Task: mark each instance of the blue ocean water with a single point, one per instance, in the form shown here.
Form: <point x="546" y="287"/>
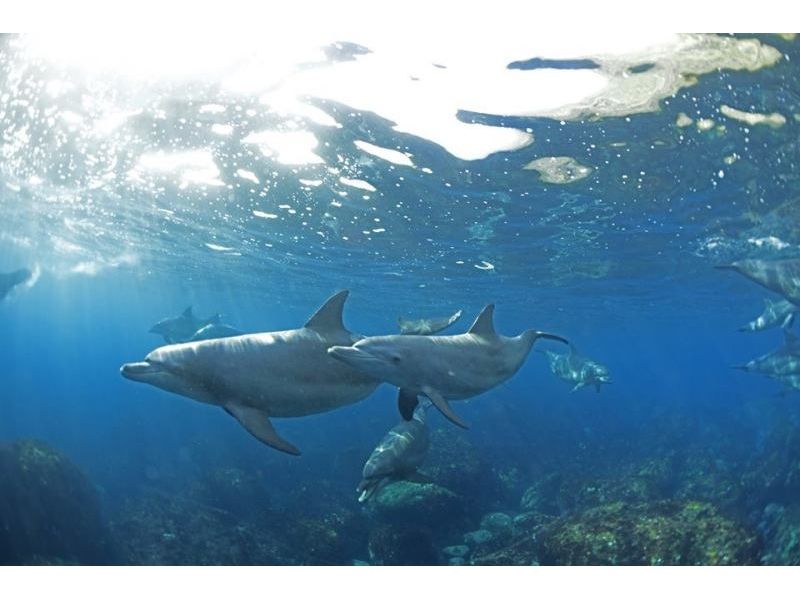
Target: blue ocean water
<point x="133" y="198"/>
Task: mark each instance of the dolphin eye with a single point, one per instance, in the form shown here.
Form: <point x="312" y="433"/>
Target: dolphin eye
<point x="396" y="359"/>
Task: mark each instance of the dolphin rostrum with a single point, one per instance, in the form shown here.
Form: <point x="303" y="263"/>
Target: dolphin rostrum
<point x="577" y="369"/>
<point x="426" y="326"/>
<point x="442" y="368"/>
<point x="397" y="456"/>
<point x="780" y="276"/>
<point x="269" y="374"/>
<point x="776" y="313"/>
<point x="181" y="329"/>
<point x="12" y="279"/>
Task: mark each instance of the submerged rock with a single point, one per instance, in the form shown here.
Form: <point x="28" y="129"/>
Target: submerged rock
<point x="662" y="533"/>
<point x="49" y="510"/>
<point x="428" y="505"/>
<point x="401" y="545"/>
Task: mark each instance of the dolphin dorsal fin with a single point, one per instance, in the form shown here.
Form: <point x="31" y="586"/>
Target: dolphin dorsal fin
<point x="187" y="313"/>
<point x="329" y="316"/>
<point x="483" y="325"/>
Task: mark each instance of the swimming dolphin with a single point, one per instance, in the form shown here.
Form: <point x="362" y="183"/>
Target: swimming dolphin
<point x="780" y="276"/>
<point x="776" y="313"/>
<point x="12" y="279"/>
<point x="442" y="368"/>
<point x="269" y="374"/>
<point x="576" y="369"/>
<point x="784" y="361"/>
<point x="426" y="326"/>
<point x="180" y="329"/>
<point x="215" y="330"/>
<point x="397" y="456"/>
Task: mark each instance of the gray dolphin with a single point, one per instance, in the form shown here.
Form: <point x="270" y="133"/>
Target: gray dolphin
<point x="776" y="313"/>
<point x="215" y="330"/>
<point x="426" y="326"/>
<point x="784" y="361"/>
<point x="180" y="329"/>
<point x="258" y="376"/>
<point x="442" y="368"/>
<point x="397" y="456"/>
<point x="577" y="369"/>
<point x="12" y="279"/>
<point x="780" y="276"/>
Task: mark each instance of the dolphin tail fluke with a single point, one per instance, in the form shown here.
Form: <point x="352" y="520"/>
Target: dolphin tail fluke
<point x="407" y="401"/>
<point x="257" y="423"/>
<point x="444" y="407"/>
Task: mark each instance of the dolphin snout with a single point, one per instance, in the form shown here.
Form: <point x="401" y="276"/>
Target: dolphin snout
<point x="135" y="370"/>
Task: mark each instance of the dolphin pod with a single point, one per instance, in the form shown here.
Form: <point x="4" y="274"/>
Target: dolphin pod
<point x="442" y="368"/>
<point x="12" y="279"/>
<point x="185" y="327"/>
<point x="258" y="376"/>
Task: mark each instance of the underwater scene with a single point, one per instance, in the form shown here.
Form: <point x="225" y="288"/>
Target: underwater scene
<point x="338" y="299"/>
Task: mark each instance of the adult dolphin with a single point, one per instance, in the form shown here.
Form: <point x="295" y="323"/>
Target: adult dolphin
<point x="426" y="325"/>
<point x="776" y="313"/>
<point x="780" y="276"/>
<point x="12" y="279"/>
<point x="443" y="368"/>
<point x="397" y="456"/>
<point x="269" y="374"/>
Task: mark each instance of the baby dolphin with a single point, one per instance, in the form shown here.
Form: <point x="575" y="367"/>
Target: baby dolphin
<point x="776" y="313"/>
<point x="258" y="376"/>
<point x="215" y="330"/>
<point x="442" y="368"/>
<point x="180" y="329"/>
<point x="426" y="326"/>
<point x="397" y="456"/>
<point x="780" y="276"/>
<point x="576" y="369"/>
<point x="12" y="279"/>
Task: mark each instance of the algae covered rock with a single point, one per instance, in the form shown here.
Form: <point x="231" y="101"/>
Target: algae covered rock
<point x="427" y="505"/>
<point x="401" y="545"/>
<point x="661" y="533"/>
<point x="49" y="510"/>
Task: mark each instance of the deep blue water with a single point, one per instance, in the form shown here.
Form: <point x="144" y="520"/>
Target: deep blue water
<point x="620" y="262"/>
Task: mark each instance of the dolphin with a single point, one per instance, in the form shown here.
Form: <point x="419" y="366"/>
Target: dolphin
<point x="269" y="374"/>
<point x="780" y="276"/>
<point x="442" y="368"/>
<point x="575" y="368"/>
<point x="397" y="456"/>
<point x="12" y="279"/>
<point x="214" y="330"/>
<point x="784" y="361"/>
<point x="426" y="326"/>
<point x="180" y="329"/>
<point x="776" y="313"/>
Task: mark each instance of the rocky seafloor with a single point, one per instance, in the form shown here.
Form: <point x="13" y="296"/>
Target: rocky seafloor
<point x="703" y="500"/>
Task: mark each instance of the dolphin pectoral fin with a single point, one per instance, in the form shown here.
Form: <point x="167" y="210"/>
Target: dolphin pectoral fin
<point x="407" y="401"/>
<point x="597" y="387"/>
<point x="578" y="386"/>
<point x="787" y="323"/>
<point x="442" y="405"/>
<point x="257" y="423"/>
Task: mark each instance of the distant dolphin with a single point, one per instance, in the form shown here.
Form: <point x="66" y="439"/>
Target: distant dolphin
<point x="442" y="367"/>
<point x="12" y="279"/>
<point x="180" y="329"/>
<point x="578" y="370"/>
<point x="784" y="361"/>
<point x="426" y="326"/>
<point x="776" y="313"/>
<point x="258" y="376"/>
<point x="214" y="330"/>
<point x="780" y="276"/>
<point x="397" y="456"/>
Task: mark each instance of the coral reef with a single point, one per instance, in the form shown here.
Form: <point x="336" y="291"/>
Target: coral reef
<point x="49" y="510"/>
